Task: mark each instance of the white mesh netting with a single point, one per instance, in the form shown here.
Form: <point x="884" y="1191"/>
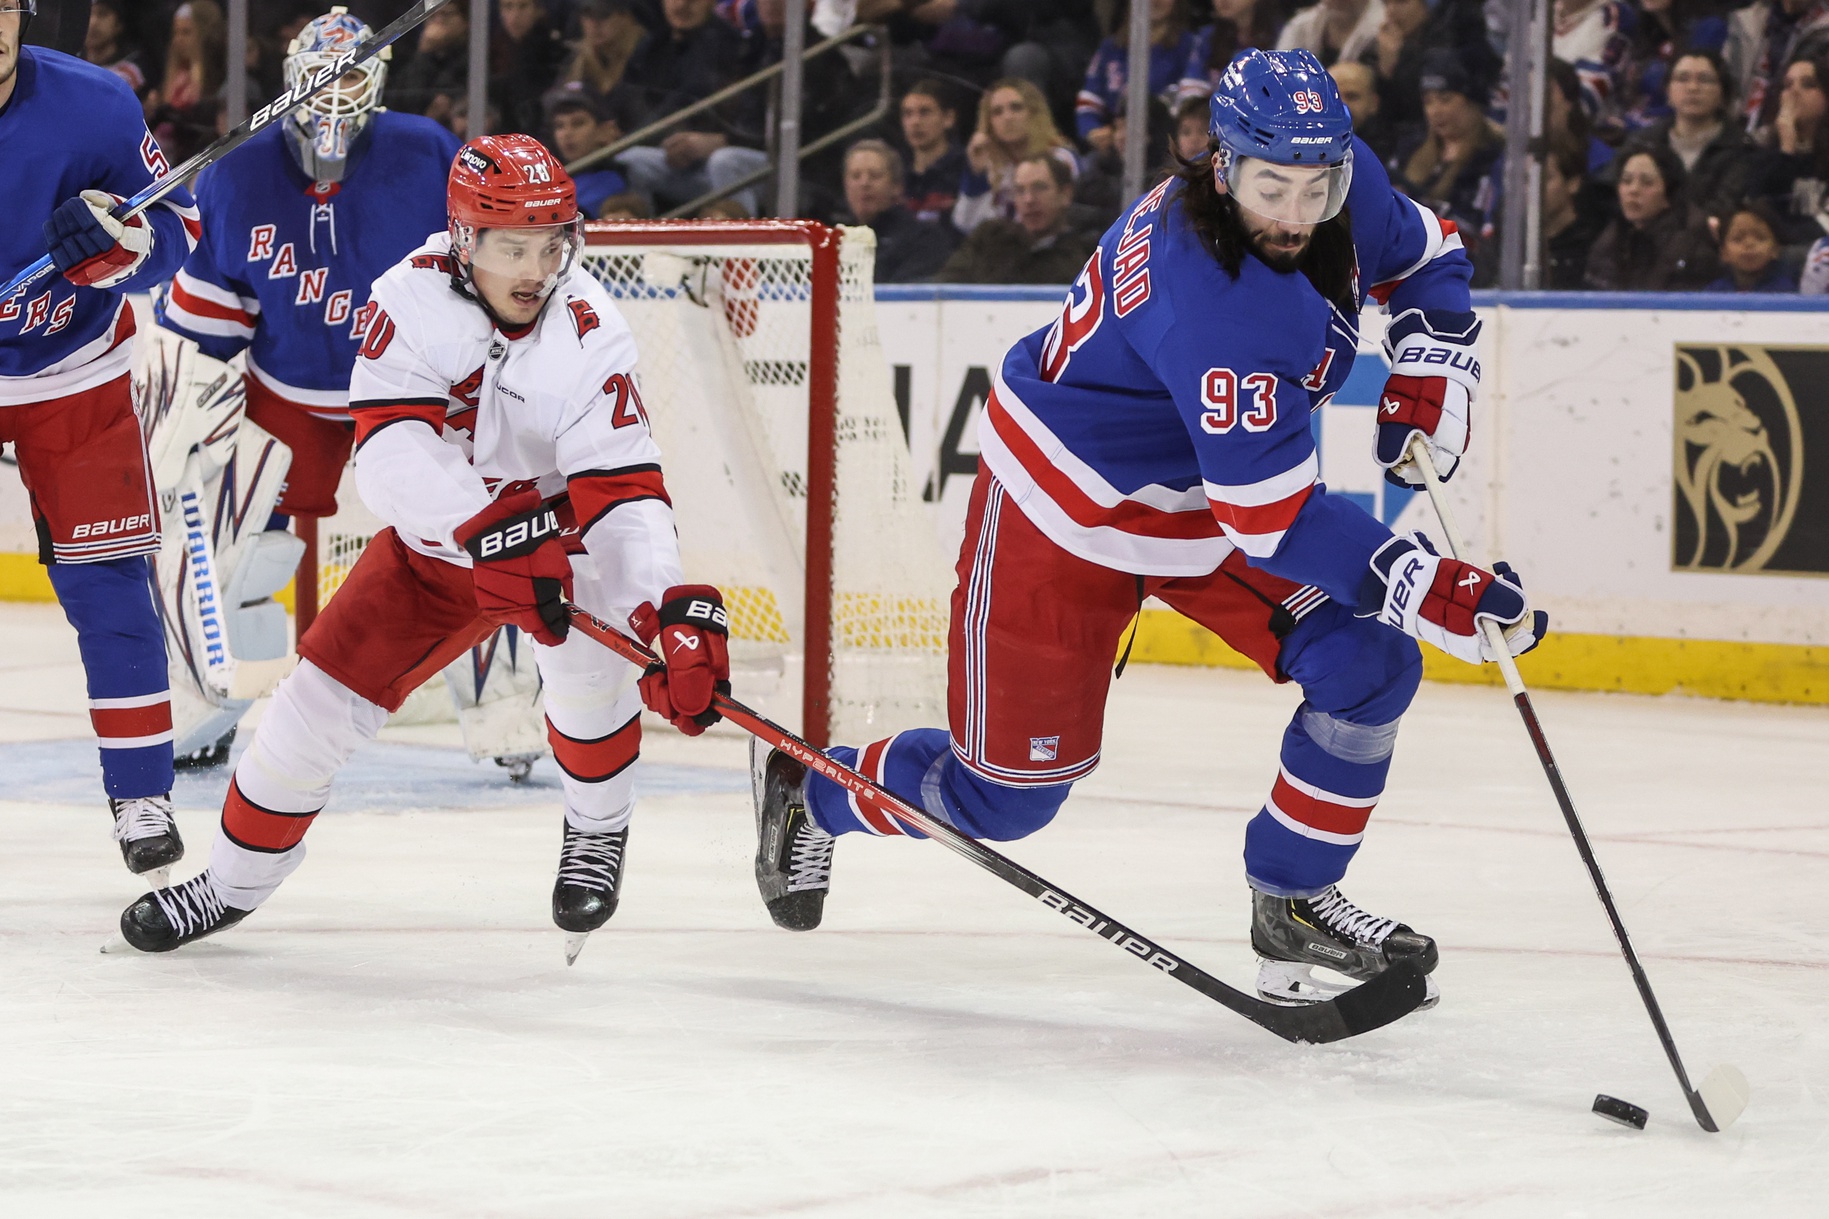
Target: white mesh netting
<point x="724" y="333"/>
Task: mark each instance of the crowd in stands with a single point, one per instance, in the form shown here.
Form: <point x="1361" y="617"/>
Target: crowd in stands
<point x="1687" y="144"/>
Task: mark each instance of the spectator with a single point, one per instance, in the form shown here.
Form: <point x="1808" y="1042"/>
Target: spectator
<point x="1359" y="90"/>
<point x="967" y="39"/>
<point x="1099" y="193"/>
<point x="1104" y="90"/>
<point x="106" y="46"/>
<point x="1665" y="31"/>
<point x="1568" y="232"/>
<point x="1568" y="115"/>
<point x="694" y="58"/>
<point x="1761" y="39"/>
<point x="1013" y="124"/>
<point x="1038" y="247"/>
<point x="459" y="118"/>
<point x="1453" y="169"/>
<point x="907" y="248"/>
<point x="1795" y="177"/>
<point x="1237" y="25"/>
<point x="929" y="121"/>
<point x="525" y="58"/>
<point x="830" y="99"/>
<point x="627" y="206"/>
<point x="581" y="124"/>
<point x="610" y="34"/>
<point x="438" y="75"/>
<point x="1716" y="153"/>
<point x="1815" y="280"/>
<point x="183" y="107"/>
<point x="1413" y="28"/>
<point x="1193" y="142"/>
<point x="1052" y="52"/>
<point x="1656" y="244"/>
<point x="1594" y="37"/>
<point x="1749" y="252"/>
<point x="1335" y="29"/>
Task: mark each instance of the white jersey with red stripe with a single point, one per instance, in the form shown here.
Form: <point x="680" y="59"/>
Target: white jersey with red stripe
<point x="1164" y="419"/>
<point x="450" y="409"/>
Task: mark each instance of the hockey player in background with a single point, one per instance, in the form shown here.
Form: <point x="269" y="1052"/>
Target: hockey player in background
<point x="306" y="215"/>
<point x="1155" y="441"/>
<point x="499" y="432"/>
<point x="78" y="146"/>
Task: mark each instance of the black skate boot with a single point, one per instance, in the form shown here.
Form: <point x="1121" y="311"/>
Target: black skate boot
<point x="590" y="880"/>
<point x="1292" y="935"/>
<point x="170" y="918"/>
<point x="793" y="855"/>
<point x="148" y="836"/>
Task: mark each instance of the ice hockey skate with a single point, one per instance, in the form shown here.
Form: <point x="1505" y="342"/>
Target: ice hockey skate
<point x="170" y="918"/>
<point x="793" y="855"/>
<point x="148" y="835"/>
<point x="590" y="881"/>
<point x="1295" y="935"/>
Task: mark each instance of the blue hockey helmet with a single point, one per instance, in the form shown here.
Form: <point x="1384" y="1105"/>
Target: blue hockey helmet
<point x="323" y="131"/>
<point x="1285" y="136"/>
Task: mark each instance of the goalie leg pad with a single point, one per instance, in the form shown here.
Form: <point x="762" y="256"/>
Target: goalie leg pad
<point x="320" y="450"/>
<point x="123" y="651"/>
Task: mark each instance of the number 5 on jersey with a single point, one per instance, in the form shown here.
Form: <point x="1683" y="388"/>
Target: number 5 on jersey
<point x="1221" y="391"/>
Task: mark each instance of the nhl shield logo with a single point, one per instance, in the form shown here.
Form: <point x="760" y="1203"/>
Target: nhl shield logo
<point x="1044" y="748"/>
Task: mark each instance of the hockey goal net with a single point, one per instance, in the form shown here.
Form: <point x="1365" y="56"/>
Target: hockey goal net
<point x="787" y="462"/>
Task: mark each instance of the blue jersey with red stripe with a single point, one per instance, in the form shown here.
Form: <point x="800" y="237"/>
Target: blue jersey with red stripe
<point x="1101" y="96"/>
<point x="69" y="127"/>
<point x="1163" y="420"/>
<point x="285" y="268"/>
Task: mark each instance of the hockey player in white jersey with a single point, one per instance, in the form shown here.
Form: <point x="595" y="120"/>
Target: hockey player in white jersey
<point x="499" y="432"/>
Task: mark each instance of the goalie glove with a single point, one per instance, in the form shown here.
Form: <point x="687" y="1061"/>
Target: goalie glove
<point x="523" y="577"/>
<point x="694" y="633"/>
<point x="91" y="247"/>
<point x="1441" y="600"/>
<point x="1435" y="371"/>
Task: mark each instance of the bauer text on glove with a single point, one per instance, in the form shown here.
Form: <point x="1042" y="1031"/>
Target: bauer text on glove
<point x="1442" y="601"/>
<point x="1435" y="372"/>
<point x="523" y="577"/>
<point x="691" y="631"/>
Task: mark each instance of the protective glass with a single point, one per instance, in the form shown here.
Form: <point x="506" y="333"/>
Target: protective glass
<point x="544" y="252"/>
<point x="1290" y="194"/>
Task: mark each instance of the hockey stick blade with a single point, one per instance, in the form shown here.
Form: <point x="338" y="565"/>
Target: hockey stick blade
<point x="229" y="141"/>
<point x="1393" y="994"/>
<point x="1724" y="1094"/>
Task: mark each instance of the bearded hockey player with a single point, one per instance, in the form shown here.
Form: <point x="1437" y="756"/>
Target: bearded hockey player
<point x="306" y="215"/>
<point x="79" y="145"/>
<point x="499" y="431"/>
<point x="1155" y="441"/>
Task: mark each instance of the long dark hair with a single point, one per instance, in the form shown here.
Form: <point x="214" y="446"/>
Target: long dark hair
<point x="1329" y="262"/>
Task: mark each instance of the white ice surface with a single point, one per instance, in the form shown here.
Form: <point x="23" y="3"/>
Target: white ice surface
<point x="396" y="1034"/>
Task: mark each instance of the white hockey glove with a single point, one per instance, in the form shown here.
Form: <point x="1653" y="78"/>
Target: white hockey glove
<point x="1440" y="600"/>
<point x="1435" y="371"/>
<point x="91" y="247"/>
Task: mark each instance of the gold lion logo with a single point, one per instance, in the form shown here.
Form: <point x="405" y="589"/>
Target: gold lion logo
<point x="1739" y="493"/>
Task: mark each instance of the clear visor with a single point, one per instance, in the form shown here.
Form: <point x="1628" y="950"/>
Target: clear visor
<point x="542" y="254"/>
<point x="1290" y="194"/>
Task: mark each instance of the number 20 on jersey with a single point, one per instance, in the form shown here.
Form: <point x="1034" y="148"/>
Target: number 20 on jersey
<point x="1233" y="401"/>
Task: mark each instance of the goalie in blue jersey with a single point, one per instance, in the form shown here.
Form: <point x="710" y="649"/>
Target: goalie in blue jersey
<point x="1156" y="441"/>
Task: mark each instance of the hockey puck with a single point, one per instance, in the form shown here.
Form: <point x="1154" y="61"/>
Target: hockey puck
<point x="1624" y="1112"/>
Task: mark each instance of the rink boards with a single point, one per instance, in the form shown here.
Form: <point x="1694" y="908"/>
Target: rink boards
<point x="1656" y="466"/>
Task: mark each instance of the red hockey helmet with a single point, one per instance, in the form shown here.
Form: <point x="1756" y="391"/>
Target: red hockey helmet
<point x="512" y="187"/>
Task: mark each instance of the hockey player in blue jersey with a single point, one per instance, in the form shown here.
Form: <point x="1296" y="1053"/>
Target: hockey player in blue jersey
<point x="1155" y="441"/>
<point x="79" y="145"/>
<point x="304" y="217"/>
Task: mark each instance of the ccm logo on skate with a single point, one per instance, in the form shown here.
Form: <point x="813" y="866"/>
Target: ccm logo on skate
<point x="102" y="529"/>
<point x="1117" y="935"/>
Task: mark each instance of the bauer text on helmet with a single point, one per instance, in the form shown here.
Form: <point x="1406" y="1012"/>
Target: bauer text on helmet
<point x="1284" y="136"/>
<point x="323" y="133"/>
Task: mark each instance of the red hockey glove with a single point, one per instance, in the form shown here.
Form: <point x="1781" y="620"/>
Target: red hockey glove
<point x="1441" y="600"/>
<point x="91" y="247"/>
<point x="1435" y="369"/>
<point x="521" y="572"/>
<point x="694" y="633"/>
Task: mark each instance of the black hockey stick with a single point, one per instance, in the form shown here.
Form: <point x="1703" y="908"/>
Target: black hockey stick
<point x="268" y="114"/>
<point x="1392" y="994"/>
<point x="1723" y="1095"/>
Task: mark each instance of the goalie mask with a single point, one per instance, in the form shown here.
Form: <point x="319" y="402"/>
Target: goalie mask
<point x="1284" y="136"/>
<point x="514" y="211"/>
<point x="323" y="133"/>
